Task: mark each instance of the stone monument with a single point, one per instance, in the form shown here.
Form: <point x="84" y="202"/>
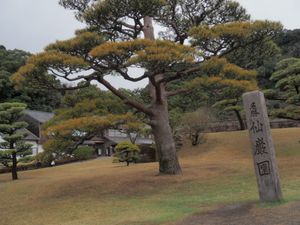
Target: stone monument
<point x="262" y="145"/>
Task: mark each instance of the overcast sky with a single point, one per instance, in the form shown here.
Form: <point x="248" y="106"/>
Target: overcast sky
<point x="32" y="24"/>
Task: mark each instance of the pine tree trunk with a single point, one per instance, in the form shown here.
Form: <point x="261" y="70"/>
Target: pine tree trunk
<point x="195" y="139"/>
<point x="14" y="167"/>
<point x="239" y="117"/>
<point x="165" y="144"/>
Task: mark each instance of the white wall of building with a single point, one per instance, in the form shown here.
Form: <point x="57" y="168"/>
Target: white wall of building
<point x="36" y="148"/>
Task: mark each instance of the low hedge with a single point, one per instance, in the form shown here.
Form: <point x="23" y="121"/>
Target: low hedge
<point x="84" y="153"/>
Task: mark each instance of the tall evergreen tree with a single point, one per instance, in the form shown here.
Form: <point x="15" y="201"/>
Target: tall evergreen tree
<point x="13" y="146"/>
<point x="111" y="45"/>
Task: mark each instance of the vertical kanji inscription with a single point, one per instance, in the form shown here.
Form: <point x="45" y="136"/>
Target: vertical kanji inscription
<point x="262" y="147"/>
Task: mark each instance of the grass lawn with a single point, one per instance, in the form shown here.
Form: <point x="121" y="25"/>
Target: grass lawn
<point x="100" y="192"/>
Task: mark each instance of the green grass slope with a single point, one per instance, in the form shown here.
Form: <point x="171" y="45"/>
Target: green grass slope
<point x="101" y="193"/>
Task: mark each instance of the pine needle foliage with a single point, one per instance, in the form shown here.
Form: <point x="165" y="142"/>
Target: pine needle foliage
<point x="13" y="147"/>
<point x="127" y="152"/>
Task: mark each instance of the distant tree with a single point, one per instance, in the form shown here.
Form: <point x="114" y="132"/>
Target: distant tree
<point x="88" y="101"/>
<point x="228" y="95"/>
<point x="287" y="77"/>
<point x="287" y="89"/>
<point x="194" y="124"/>
<point x="7" y="91"/>
<point x="13" y="146"/>
<point x="110" y="103"/>
<point x="88" y="105"/>
<point x="133" y="128"/>
<point x="175" y="119"/>
<point x="254" y="55"/>
<point x="232" y="105"/>
<point x="191" y="101"/>
<point x="10" y="62"/>
<point x="127" y="152"/>
<point x="39" y="97"/>
<point x="110" y="45"/>
<point x="67" y="135"/>
<point x="261" y="57"/>
<point x="175" y="123"/>
<point x="32" y="93"/>
<point x="289" y="42"/>
<point x="84" y="153"/>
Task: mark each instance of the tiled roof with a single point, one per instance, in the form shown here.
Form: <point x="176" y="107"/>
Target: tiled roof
<point x="138" y="141"/>
<point x="29" y="136"/>
<point x="116" y="140"/>
<point x="39" y="116"/>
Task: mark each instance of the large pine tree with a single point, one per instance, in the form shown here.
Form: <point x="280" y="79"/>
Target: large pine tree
<point x="112" y="44"/>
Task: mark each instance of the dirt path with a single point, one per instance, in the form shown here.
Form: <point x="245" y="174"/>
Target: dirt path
<point x="247" y="214"/>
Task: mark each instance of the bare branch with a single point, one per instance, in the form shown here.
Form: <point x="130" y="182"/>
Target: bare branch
<point x="179" y="75"/>
<point x="127" y="77"/>
<point x="78" y="77"/>
<point x="130" y="26"/>
<point x="5" y="158"/>
<point x="240" y="45"/>
<point x="125" y="98"/>
<point x="177" y="92"/>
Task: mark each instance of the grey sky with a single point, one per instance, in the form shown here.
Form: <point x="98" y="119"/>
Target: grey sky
<point x="285" y="11"/>
<point x="30" y="25"/>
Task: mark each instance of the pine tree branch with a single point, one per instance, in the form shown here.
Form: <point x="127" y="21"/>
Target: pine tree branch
<point x="157" y="88"/>
<point x="130" y="26"/>
<point x="179" y="75"/>
<point x="177" y="92"/>
<point x="127" y="77"/>
<point x="240" y="45"/>
<point x="125" y="98"/>
<point x="65" y="76"/>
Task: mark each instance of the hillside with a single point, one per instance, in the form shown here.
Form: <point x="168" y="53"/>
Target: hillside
<point x="99" y="192"/>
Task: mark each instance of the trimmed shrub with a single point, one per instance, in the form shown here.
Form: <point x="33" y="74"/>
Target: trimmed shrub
<point x="26" y="166"/>
<point x="84" y="152"/>
<point x="65" y="160"/>
<point x="45" y="158"/>
<point x="27" y="159"/>
<point x="20" y="167"/>
<point x="127" y="152"/>
<point x="58" y="146"/>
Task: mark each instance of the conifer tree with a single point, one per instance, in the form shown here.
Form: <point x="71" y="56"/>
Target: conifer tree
<point x="229" y="95"/>
<point x="287" y="89"/>
<point x="127" y="152"/>
<point x="86" y="113"/>
<point x="13" y="146"/>
<point x="112" y="44"/>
